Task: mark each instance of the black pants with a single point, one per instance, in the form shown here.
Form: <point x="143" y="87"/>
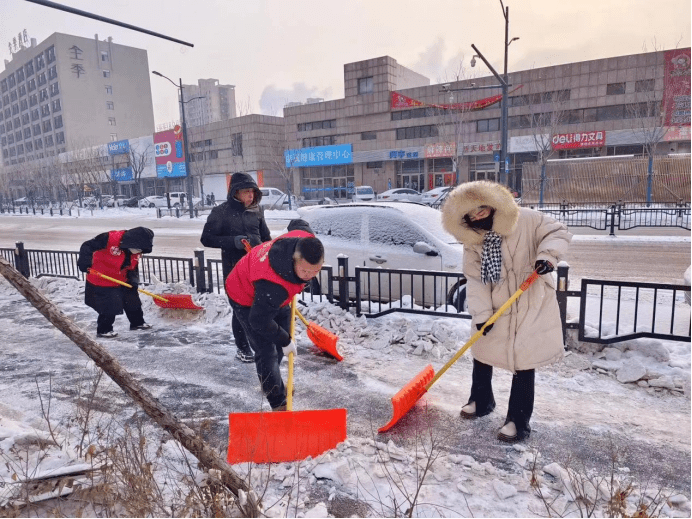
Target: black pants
<point x="133" y="310"/>
<point x="267" y="354"/>
<point x="521" y="396"/>
<point x="239" y="336"/>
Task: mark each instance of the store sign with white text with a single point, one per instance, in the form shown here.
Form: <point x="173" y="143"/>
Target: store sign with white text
<point x="568" y="141"/>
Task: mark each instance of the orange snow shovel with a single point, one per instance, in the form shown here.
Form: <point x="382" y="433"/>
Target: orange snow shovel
<point x="321" y="337"/>
<point x="407" y="397"/>
<point x="177" y="301"/>
<point x="285" y="435"/>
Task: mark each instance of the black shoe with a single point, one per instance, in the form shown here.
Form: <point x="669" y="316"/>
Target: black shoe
<point x="143" y="326"/>
<point x="245" y="355"/>
<point x="107" y="335"/>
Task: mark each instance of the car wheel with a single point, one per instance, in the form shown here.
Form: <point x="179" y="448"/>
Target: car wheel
<point x="152" y="205"/>
<point x="457" y="296"/>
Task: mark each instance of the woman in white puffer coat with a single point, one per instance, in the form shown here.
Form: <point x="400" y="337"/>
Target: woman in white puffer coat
<point x="503" y="245"/>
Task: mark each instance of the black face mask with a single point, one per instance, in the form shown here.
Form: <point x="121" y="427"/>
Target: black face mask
<point x="484" y="224"/>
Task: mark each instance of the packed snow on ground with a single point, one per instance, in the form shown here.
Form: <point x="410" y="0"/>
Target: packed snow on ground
<point x="364" y="469"/>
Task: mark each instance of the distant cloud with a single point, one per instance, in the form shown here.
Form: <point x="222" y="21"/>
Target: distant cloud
<point x="432" y="63"/>
<point x="273" y="99"/>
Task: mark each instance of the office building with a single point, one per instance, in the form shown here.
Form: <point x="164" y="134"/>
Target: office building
<point x="217" y="102"/>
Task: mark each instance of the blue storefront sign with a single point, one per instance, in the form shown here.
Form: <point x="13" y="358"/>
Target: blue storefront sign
<point x="401" y="154"/>
<point x="122" y="174"/>
<point x="319" y="156"/>
<point x="118" y="147"/>
<point x="171" y="169"/>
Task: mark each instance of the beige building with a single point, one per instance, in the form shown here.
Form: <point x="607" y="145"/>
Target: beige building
<point x="69" y="92"/>
<point x="218" y="103"/>
<point x="394" y="129"/>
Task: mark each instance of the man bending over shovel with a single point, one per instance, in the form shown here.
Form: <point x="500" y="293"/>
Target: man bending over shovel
<point x="260" y="289"/>
<point x="115" y="254"/>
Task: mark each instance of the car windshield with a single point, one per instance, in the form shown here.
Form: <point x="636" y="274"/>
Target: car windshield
<point x="364" y="190"/>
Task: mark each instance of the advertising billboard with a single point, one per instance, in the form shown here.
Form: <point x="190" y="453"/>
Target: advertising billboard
<point x="168" y="153"/>
<point x="118" y="147"/>
<point x="319" y="156"/>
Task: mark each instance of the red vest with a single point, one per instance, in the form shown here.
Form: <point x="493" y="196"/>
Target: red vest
<point x="109" y="261"/>
<point x="254" y="266"/>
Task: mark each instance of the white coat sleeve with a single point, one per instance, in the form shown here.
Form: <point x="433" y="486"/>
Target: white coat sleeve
<point x="553" y="240"/>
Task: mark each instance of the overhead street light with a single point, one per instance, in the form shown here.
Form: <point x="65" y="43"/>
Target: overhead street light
<point x="188" y="173"/>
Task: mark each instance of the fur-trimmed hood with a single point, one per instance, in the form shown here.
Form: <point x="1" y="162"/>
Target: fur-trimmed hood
<point x="469" y="196"/>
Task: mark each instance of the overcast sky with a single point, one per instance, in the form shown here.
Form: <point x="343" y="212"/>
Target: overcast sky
<point x="277" y="51"/>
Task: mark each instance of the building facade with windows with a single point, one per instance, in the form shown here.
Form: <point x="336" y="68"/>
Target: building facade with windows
<point x="69" y="92"/>
<point x="217" y="103"/>
<point x="394" y="129"/>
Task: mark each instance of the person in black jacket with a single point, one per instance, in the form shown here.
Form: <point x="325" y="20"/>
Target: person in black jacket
<point x="115" y="254"/>
<point x="239" y="218"/>
<point x="261" y="287"/>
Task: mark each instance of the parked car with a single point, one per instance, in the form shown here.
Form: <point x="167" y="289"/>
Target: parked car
<point x="21" y="201"/>
<point x="392" y="235"/>
<point x="177" y="196"/>
<point x="363" y="194"/>
<point x="116" y="201"/>
<point x="435" y="196"/>
<point x="402" y="193"/>
<point x="273" y="198"/>
<point x="153" y="201"/>
<point x="132" y="201"/>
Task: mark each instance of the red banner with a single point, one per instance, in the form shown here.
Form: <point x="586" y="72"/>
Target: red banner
<point x="401" y="101"/>
<point x="676" y="94"/>
<point x="567" y="141"/>
<point x="440" y="149"/>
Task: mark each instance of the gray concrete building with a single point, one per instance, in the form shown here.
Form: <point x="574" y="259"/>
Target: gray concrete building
<point x="394" y="129"/>
<point x="218" y="103"/>
<point x="69" y="92"/>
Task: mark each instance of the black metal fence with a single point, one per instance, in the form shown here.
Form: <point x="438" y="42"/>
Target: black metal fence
<point x="608" y="311"/>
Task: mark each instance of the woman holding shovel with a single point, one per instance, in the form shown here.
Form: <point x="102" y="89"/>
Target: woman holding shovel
<point x="261" y="287"/>
<point x="503" y="244"/>
<point x="115" y="254"/>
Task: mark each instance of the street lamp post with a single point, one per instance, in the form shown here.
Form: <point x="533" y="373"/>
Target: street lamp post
<point x="504" y="162"/>
<point x="188" y="173"/>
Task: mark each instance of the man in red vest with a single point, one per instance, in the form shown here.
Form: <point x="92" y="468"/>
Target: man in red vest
<point x="261" y="287"/>
<point x="115" y="254"/>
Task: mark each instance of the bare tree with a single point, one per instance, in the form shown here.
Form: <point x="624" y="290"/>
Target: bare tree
<point x="138" y="161"/>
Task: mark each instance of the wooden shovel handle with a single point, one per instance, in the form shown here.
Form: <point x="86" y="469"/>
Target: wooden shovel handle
<point x="305" y="322"/>
<point x="92" y="271"/>
<point x="289" y="386"/>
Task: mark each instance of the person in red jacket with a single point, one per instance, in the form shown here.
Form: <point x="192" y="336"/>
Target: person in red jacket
<point x="115" y="254"/>
<point x="260" y="289"/>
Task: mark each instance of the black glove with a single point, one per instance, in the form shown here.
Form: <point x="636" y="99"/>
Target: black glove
<point x="488" y="328"/>
<point x="543" y="267"/>
<point x="83" y="267"/>
<point x="238" y="242"/>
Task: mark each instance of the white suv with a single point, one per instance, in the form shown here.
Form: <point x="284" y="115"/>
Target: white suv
<point x="273" y="198"/>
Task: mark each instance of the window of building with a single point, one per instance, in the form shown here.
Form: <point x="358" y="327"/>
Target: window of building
<point x="35" y="115"/>
<point x="13" y="151"/>
<point x="106" y="73"/>
<point x="56" y="105"/>
<point x="20" y="149"/>
<point x="20" y="74"/>
<point x="366" y="85"/>
<point x="488" y="125"/>
<point x="25" y="118"/>
<point x="38" y="143"/>
<point x="32" y="85"/>
<point x="114" y="137"/>
<point x="237" y="144"/>
<point x="27" y="133"/>
<point x="37" y="129"/>
<point x="23" y="105"/>
<point x="54" y="89"/>
<point x="52" y="72"/>
<point x="610" y="113"/>
<point x="17" y="123"/>
<point x="111" y="121"/>
<point x="48" y="140"/>
<point x="29" y="69"/>
<point x="15" y="109"/>
<point x="8" y="125"/>
<point x="10" y="138"/>
<point x="42" y="79"/>
<point x="13" y="95"/>
<point x="22" y="90"/>
<point x="645" y="85"/>
<point x="378" y="164"/>
<point x="47" y="126"/>
<point x="33" y="100"/>
<point x="110" y="105"/>
<point x="12" y="81"/>
<point x="3" y="86"/>
<point x="57" y="122"/>
<point x="29" y="146"/>
<point x="417" y="132"/>
<point x="615" y="89"/>
<point x="104" y="56"/>
<point x="50" y="54"/>
<point x="45" y="111"/>
<point x="18" y="135"/>
<point x="368" y="136"/>
<point x="60" y="138"/>
<point x="109" y="89"/>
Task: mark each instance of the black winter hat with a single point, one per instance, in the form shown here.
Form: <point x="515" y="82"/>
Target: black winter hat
<point x="243" y="181"/>
<point x="138" y="238"/>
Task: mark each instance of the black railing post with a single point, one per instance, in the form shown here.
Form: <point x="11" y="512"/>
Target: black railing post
<point x="21" y="260"/>
<point x="343" y="281"/>
<point x="563" y="207"/>
<point x="612" y="219"/>
<point x="199" y="271"/>
<point x="177" y="212"/>
<point x="562" y="285"/>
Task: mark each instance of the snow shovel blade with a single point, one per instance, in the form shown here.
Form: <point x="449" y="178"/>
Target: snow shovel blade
<point x="321" y="337"/>
<point x="177" y="301"/>
<point x="283" y="436"/>
<point x="407" y="397"/>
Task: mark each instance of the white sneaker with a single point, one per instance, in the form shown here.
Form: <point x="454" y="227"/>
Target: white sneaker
<point x="508" y="433"/>
<point x="107" y="335"/>
<point x="469" y="410"/>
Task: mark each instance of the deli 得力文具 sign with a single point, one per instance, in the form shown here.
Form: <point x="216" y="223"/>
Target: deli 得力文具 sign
<point x="592" y="139"/>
